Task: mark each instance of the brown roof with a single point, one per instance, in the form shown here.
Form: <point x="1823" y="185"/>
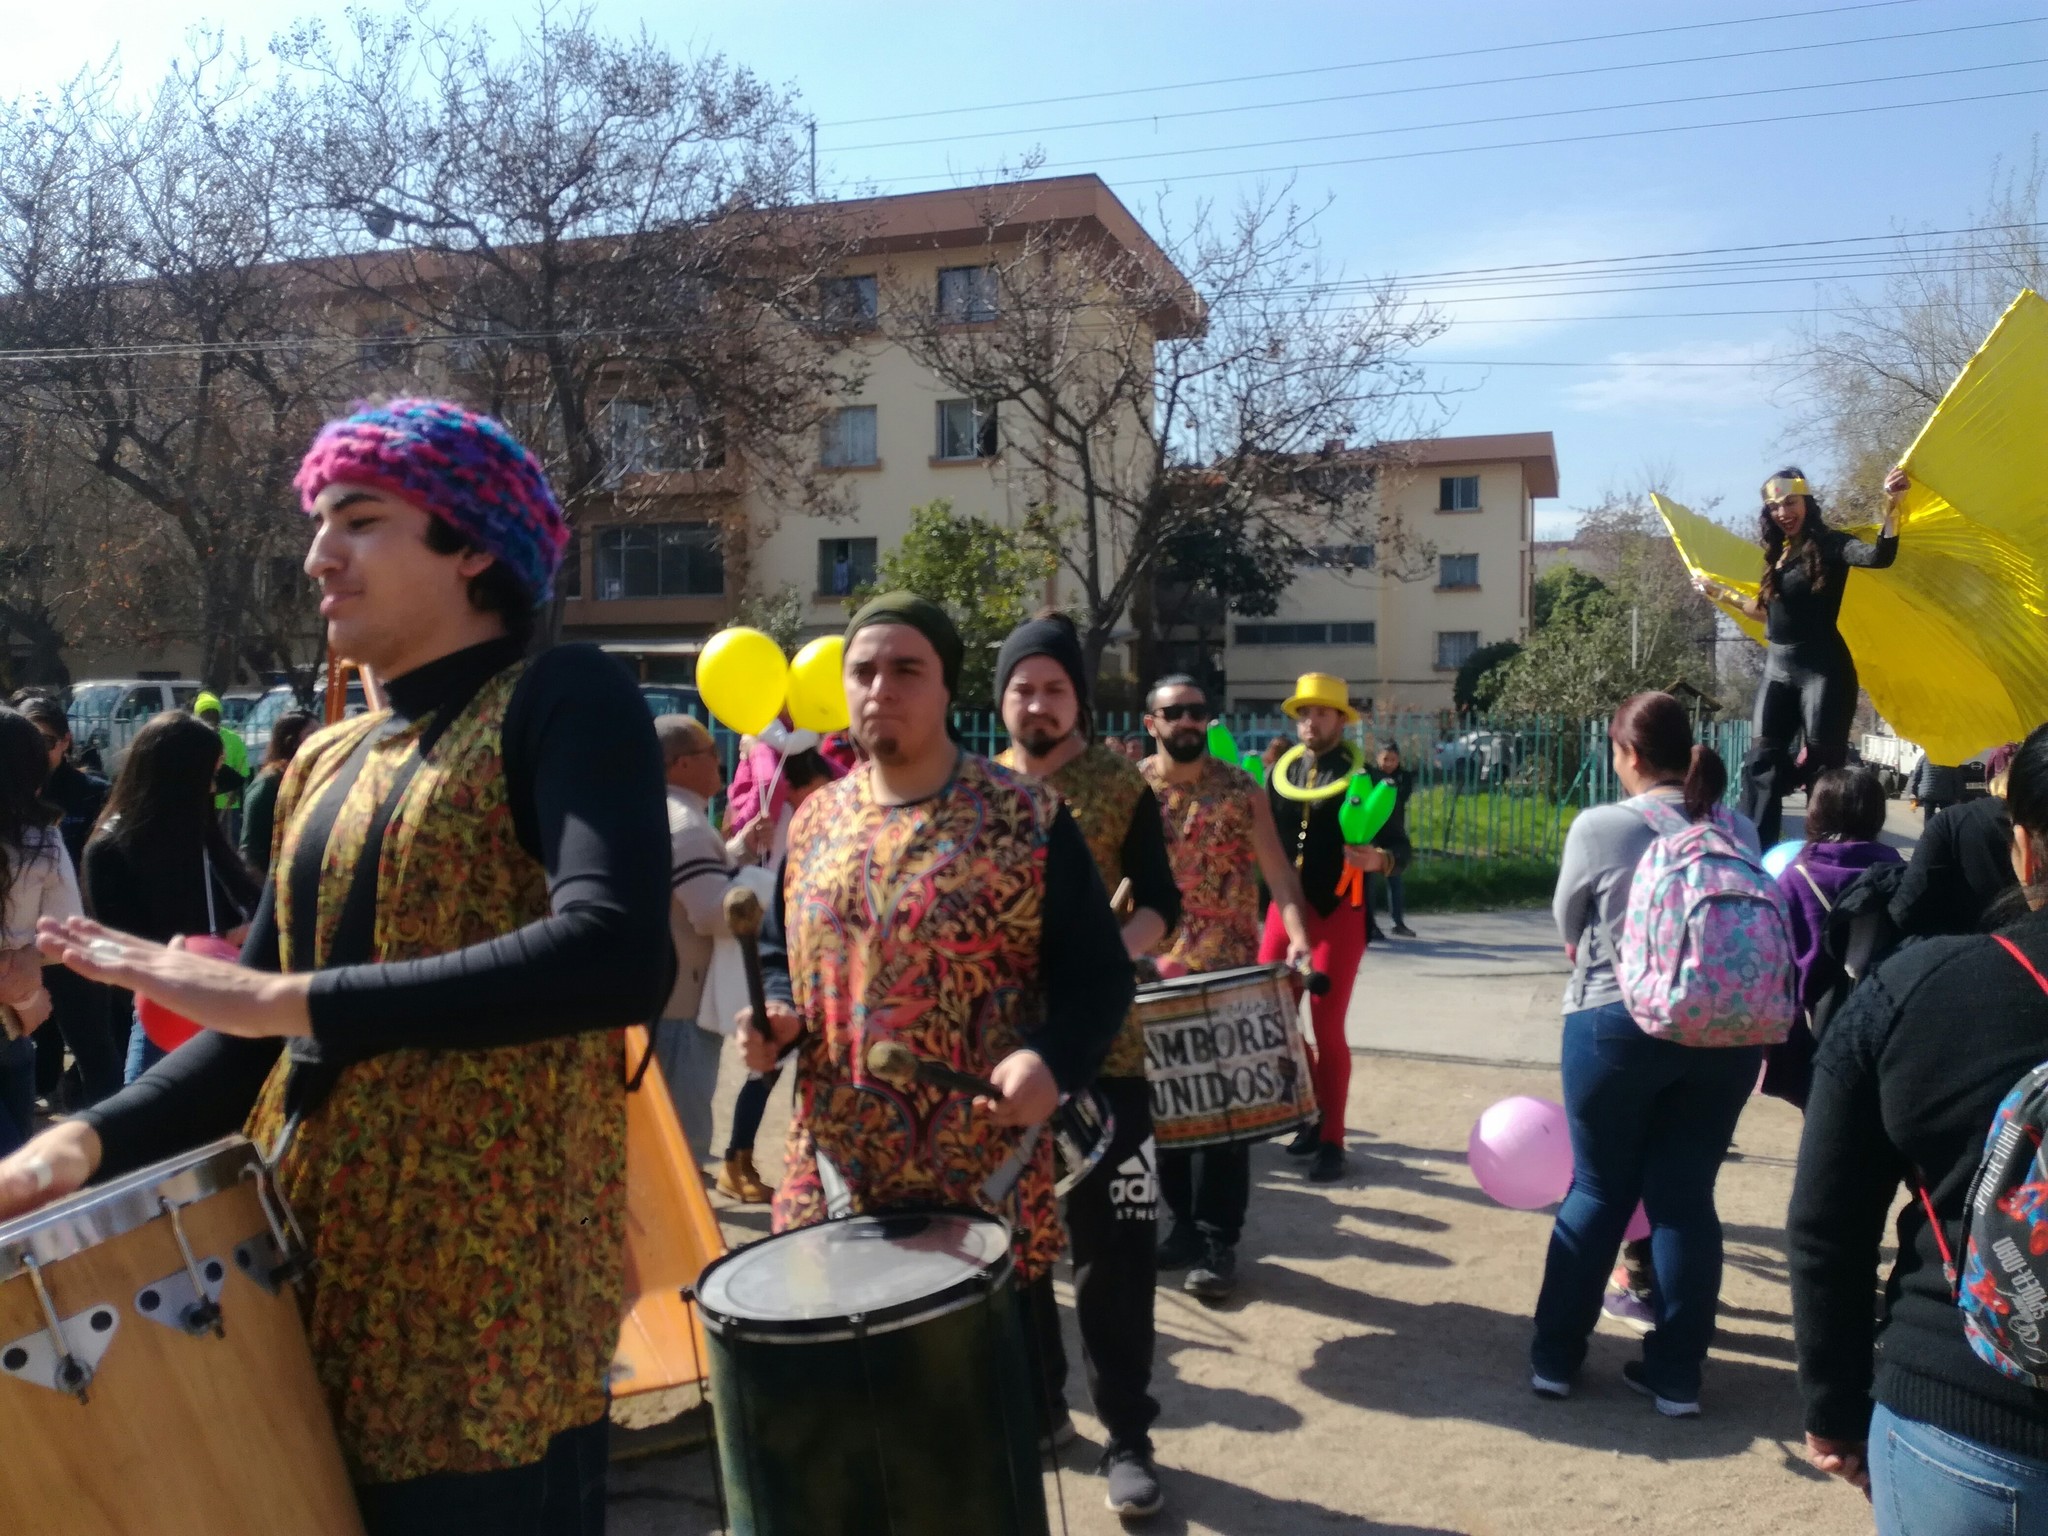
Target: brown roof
<point x="959" y="217"/>
<point x="1535" y="451"/>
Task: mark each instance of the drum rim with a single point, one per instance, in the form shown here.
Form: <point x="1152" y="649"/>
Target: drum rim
<point x="99" y="1213"/>
<point x="1194" y="981"/>
<point x="838" y="1327"/>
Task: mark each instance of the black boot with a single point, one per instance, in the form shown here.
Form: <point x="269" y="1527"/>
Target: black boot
<point x="1305" y="1141"/>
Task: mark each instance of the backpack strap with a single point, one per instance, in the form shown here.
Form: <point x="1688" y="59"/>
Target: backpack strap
<point x="1948" y="1261"/>
<point x="1814" y="886"/>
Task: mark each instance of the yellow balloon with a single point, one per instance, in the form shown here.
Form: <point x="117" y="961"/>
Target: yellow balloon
<point x="742" y="678"/>
<point x="817" y="686"/>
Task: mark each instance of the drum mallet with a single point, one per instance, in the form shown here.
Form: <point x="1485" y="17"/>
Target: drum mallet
<point x="743" y="920"/>
<point x="1120" y="901"/>
<point x="894" y="1062"/>
<point x="1314" y="982"/>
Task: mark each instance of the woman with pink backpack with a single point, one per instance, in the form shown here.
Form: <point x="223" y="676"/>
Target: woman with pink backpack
<point x="1681" y="975"/>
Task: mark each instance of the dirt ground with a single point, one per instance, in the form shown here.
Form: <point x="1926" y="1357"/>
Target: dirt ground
<point x="1371" y="1375"/>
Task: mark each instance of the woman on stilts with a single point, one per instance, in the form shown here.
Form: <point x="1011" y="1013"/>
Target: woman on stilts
<point x="1809" y="686"/>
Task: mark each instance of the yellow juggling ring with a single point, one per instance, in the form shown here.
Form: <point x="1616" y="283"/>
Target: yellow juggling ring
<point x="1330" y="791"/>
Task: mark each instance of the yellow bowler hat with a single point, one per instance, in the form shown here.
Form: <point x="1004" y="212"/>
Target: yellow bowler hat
<point x="1320" y="688"/>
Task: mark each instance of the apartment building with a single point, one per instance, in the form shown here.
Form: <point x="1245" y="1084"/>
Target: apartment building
<point x="653" y="578"/>
<point x="1465" y="508"/>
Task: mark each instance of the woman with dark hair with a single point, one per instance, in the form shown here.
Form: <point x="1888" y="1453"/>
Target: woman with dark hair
<point x="1809" y="685"/>
<point x="158" y="864"/>
<point x="1650" y="1119"/>
<point x="36" y="880"/>
<point x="1906" y="1084"/>
<point x="1844" y="815"/>
<point x="259" y="806"/>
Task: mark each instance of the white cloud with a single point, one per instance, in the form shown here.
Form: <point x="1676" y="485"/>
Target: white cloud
<point x="1715" y="378"/>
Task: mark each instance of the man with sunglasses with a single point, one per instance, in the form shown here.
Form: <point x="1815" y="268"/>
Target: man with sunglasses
<point x="1112" y="1215"/>
<point x="1222" y="841"/>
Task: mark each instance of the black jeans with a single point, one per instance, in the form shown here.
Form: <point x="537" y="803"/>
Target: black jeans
<point x="81" y="1017"/>
<point x="562" y="1494"/>
<point x="1210" y="1186"/>
<point x="1113" y="1229"/>
<point x="748" y="1106"/>
<point x="1808" y="693"/>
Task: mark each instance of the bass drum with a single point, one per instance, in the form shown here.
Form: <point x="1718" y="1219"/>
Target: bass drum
<point x="1225" y="1057"/>
<point x="869" y="1377"/>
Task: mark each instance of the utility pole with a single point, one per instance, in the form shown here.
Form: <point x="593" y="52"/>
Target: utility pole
<point x="814" y="159"/>
<point x="1635" y="636"/>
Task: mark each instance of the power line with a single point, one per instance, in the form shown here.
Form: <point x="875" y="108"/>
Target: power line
<point x="1517" y="117"/>
<point x="1583" y="138"/>
<point x="1326" y="69"/>
<point x="1410" y="90"/>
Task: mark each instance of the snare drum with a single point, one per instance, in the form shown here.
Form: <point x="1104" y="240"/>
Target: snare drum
<point x="870" y="1379"/>
<point x="154" y="1374"/>
<point x="1225" y="1057"/>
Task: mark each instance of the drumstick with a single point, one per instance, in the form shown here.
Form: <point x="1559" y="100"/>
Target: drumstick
<point x="743" y="920"/>
<point x="894" y="1062"/>
<point x="1120" y="902"/>
<point x="1313" y="981"/>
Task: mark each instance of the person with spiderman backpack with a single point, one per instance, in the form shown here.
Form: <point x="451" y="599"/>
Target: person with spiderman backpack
<point x="1932" y="1078"/>
<point x="1681" y="975"/>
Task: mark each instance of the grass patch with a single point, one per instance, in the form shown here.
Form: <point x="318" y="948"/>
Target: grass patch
<point x="1487" y="823"/>
<point x="1478" y="885"/>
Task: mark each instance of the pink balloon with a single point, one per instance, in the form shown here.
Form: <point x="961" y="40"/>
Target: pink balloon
<point x="1638" y="1226"/>
<point x="1520" y="1151"/>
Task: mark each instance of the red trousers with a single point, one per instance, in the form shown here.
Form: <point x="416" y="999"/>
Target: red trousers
<point x="1336" y="946"/>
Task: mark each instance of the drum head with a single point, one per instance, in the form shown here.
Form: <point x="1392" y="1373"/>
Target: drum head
<point x="1209" y="981"/>
<point x="887" y="1268"/>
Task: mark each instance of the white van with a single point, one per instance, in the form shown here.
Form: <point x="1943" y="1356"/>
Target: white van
<point x="106" y="713"/>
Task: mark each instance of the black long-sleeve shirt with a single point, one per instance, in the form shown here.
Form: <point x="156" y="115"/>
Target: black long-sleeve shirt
<point x="584" y="787"/>
<point x="1961" y="867"/>
<point x="1905" y="1084"/>
<point x="1084" y="969"/>
<point x="1309" y="830"/>
<point x="1146" y="864"/>
<point x="1800" y="615"/>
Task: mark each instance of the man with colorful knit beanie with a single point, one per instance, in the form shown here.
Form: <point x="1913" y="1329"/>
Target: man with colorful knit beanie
<point x="470" y="897"/>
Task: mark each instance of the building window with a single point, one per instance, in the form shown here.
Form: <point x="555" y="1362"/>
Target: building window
<point x="645" y="437"/>
<point x="659" y="560"/>
<point x="845" y="565"/>
<point x="1457" y="493"/>
<point x="1338" y="557"/>
<point x="849" y="438"/>
<point x="849" y="303"/>
<point x="1366" y="633"/>
<point x="967" y="429"/>
<point x="1283" y="634"/>
<point x="1457" y="570"/>
<point x="383" y="349"/>
<point x="967" y="295"/>
<point x="1454" y="647"/>
<point x="569" y="580"/>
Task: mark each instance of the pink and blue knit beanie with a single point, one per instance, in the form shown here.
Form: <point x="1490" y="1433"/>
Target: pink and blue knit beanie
<point x="462" y="467"/>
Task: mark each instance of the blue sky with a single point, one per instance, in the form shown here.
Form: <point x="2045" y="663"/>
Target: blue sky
<point x="1626" y="397"/>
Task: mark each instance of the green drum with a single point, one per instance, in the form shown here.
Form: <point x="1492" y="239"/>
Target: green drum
<point x="869" y="1376"/>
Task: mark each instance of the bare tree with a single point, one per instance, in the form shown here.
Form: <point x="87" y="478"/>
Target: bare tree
<point x="1877" y="365"/>
<point x="603" y="244"/>
<point x="157" y="341"/>
<point x="1208" y="381"/>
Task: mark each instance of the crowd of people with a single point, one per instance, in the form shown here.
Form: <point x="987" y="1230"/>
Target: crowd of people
<point x="446" y="908"/>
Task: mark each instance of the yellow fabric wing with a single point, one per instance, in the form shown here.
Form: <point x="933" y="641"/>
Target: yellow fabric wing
<point x="1952" y="641"/>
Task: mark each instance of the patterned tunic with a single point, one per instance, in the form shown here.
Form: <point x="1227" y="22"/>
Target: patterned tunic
<point x="465" y="1208"/>
<point x="1101" y="790"/>
<point x="1209" y="838"/>
<point x="918" y="923"/>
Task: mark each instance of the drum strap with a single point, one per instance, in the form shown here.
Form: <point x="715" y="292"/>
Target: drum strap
<point x="838" y="1193"/>
<point x="996" y="1188"/>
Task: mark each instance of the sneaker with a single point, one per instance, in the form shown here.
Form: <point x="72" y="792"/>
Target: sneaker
<point x="1630" y="1308"/>
<point x="738" y="1180"/>
<point x="1216" y="1276"/>
<point x="1671" y="1408"/>
<point x="1403" y="931"/>
<point x="1134" y="1490"/>
<point x="1305" y="1141"/>
<point x="1184" y="1247"/>
<point x="1543" y="1386"/>
<point x="1060" y="1436"/>
<point x="1329" y="1165"/>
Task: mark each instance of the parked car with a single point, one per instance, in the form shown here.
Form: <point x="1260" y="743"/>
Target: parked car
<point x="235" y="707"/>
<point x="672" y="699"/>
<point x="1476" y="755"/>
<point x="262" y="717"/>
<point x="107" y="712"/>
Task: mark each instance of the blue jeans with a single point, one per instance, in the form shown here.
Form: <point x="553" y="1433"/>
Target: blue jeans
<point x="17" y="1091"/>
<point x="1927" y="1482"/>
<point x="1650" y="1121"/>
<point x="143" y="1053"/>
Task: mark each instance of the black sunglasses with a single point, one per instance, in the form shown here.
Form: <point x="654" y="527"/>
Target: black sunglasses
<point x="1172" y="712"/>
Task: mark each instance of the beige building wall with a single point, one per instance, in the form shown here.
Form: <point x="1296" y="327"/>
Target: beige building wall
<point x="1420" y="627"/>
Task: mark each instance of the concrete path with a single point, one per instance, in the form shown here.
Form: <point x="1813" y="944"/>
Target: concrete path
<point x="1471" y="986"/>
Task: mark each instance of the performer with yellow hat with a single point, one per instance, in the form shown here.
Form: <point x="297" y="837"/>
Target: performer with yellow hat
<point x="1307" y="790"/>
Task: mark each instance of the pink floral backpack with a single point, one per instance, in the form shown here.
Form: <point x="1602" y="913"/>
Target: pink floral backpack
<point x="1705" y="957"/>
